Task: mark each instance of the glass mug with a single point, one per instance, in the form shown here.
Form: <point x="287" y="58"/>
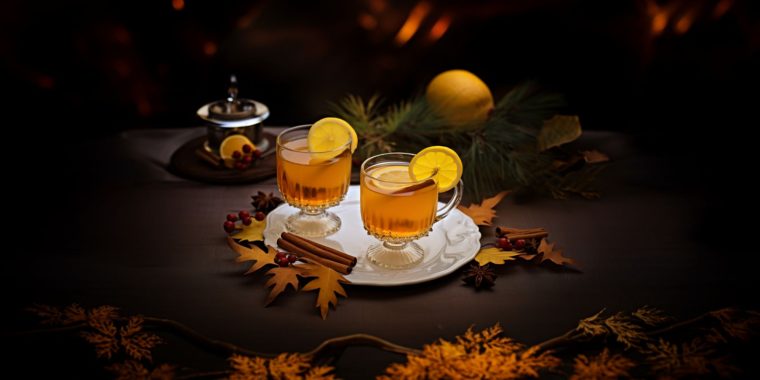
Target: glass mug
<point x="312" y="182"/>
<point x="398" y="210"/>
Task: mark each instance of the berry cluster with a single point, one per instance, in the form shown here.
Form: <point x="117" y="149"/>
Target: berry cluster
<point x="244" y="216"/>
<point x="245" y="158"/>
<point x="508" y="245"/>
<point x="284" y="259"/>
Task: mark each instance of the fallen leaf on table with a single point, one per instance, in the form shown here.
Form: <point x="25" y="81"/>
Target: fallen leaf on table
<point x="257" y="255"/>
<point x="327" y="281"/>
<point x="560" y="129"/>
<point x="252" y="232"/>
<point x="548" y="253"/>
<point x="483" y="213"/>
<point x="495" y="255"/>
<point x="594" y="156"/>
<point x="281" y="278"/>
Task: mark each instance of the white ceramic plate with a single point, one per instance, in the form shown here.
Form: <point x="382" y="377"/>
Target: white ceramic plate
<point x="452" y="243"/>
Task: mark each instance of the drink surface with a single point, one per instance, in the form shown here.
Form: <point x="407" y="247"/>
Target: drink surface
<point x="393" y="205"/>
<point x="306" y="181"/>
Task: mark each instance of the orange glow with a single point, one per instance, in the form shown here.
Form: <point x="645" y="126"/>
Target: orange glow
<point x="722" y="7"/>
<point x="439" y="28"/>
<point x="209" y="48"/>
<point x="367" y="21"/>
<point x="178" y="5"/>
<point x="683" y="24"/>
<point x="412" y="23"/>
<point x="659" y="22"/>
<point x="377" y="6"/>
<point x="249" y="17"/>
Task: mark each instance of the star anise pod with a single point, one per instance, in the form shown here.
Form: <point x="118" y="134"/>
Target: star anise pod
<point x="480" y="276"/>
<point x="265" y="202"/>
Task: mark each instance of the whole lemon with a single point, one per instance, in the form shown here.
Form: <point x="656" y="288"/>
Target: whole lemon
<point x="460" y="97"/>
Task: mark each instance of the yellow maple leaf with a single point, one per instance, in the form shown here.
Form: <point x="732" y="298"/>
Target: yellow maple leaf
<point x="327" y="281"/>
<point x="252" y="232"/>
<point x="260" y="258"/>
<point x="483" y="213"/>
<point x="281" y="278"/>
<point x="495" y="255"/>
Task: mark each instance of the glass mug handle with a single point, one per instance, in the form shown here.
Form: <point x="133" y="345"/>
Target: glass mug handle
<point x="453" y="202"/>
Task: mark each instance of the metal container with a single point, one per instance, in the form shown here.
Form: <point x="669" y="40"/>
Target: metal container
<point x="234" y="115"/>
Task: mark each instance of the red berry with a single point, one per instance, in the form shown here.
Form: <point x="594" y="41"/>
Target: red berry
<point x="231" y="217"/>
<point x="280" y="255"/>
<point x="247" y="221"/>
<point x="247" y="159"/>
<point x="283" y="262"/>
<point x="257" y="153"/>
<point x="229" y="226"/>
<point x="247" y="148"/>
<point x="260" y="216"/>
<point x="244" y="214"/>
<point x="504" y="243"/>
<point x="236" y="154"/>
<point x="519" y="243"/>
<point x="292" y="258"/>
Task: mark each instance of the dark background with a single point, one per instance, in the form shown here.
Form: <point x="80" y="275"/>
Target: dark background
<point x="678" y="76"/>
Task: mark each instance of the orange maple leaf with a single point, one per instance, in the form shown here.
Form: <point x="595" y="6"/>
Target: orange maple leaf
<point x="259" y="257"/>
<point x="327" y="281"/>
<point x="281" y="278"/>
<point x="483" y="213"/>
<point x="548" y="252"/>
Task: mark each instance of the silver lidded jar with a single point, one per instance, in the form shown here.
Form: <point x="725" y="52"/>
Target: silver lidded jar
<point x="234" y="115"/>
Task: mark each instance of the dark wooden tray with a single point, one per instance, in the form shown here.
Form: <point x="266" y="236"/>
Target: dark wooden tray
<point x="186" y="164"/>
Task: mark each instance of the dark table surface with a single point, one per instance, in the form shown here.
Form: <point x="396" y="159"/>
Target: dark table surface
<point x="123" y="231"/>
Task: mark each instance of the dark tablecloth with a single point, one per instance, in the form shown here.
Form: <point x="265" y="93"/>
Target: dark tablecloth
<point x="121" y="230"/>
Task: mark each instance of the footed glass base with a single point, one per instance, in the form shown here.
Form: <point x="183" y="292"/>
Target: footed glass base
<point x="395" y="255"/>
<point x="313" y="224"/>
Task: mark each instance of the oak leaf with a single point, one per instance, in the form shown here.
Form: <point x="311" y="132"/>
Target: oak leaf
<point x="548" y="253"/>
<point x="483" y="213"/>
<point x="281" y="278"/>
<point x="327" y="281"/>
<point x="495" y="255"/>
<point x="252" y="232"/>
<point x="559" y="130"/>
<point x="257" y="255"/>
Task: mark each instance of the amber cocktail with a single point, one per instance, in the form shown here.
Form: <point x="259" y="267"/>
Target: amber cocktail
<point x="311" y="181"/>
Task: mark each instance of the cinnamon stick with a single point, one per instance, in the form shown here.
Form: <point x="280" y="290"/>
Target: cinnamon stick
<point x="502" y="230"/>
<point x="209" y="157"/>
<point x="529" y="235"/>
<point x="302" y="253"/>
<point x="416" y="186"/>
<point x="319" y="249"/>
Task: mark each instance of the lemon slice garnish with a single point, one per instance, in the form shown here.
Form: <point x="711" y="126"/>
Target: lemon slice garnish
<point x="440" y="162"/>
<point x="327" y="135"/>
<point x="231" y="144"/>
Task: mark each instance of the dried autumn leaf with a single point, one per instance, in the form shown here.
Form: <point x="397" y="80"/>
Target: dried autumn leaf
<point x="327" y="281"/>
<point x="246" y="368"/>
<point x="650" y="315"/>
<point x="259" y="257"/>
<point x="137" y="343"/>
<point x="281" y="278"/>
<point x="604" y="366"/>
<point x="548" y="253"/>
<point x="483" y="213"/>
<point x="252" y="232"/>
<point x="559" y="130"/>
<point x="288" y="366"/>
<point x="594" y="156"/>
<point x="319" y="373"/>
<point x="104" y="338"/>
<point x="592" y="326"/>
<point x="73" y="314"/>
<point x="103" y="313"/>
<point x="495" y="255"/>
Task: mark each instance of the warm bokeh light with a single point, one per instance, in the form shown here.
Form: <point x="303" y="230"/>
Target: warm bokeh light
<point x="367" y="21"/>
<point x="684" y="23"/>
<point x="439" y="28"/>
<point x="412" y="23"/>
<point x="722" y="7"/>
<point x="178" y="5"/>
<point x="209" y="48"/>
